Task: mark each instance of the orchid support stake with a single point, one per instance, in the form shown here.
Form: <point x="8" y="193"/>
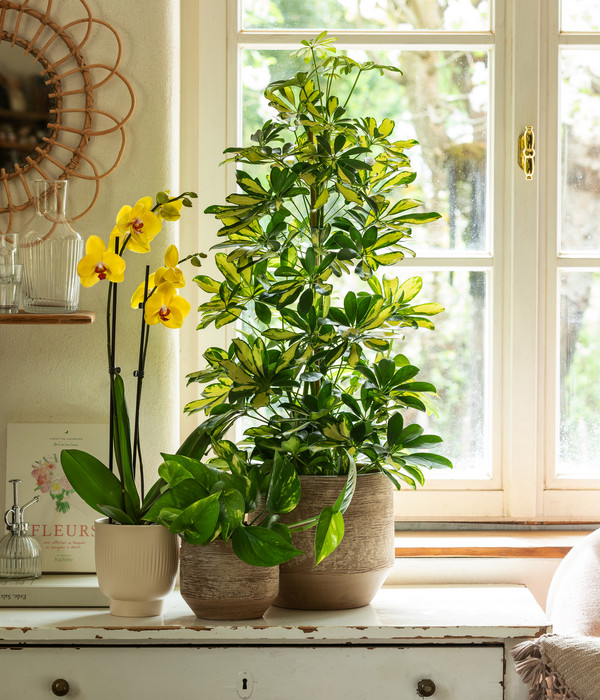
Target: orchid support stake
<point x="111" y="329"/>
<point x="139" y="374"/>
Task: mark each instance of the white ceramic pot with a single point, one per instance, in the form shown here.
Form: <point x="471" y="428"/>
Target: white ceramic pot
<point x="136" y="566"/>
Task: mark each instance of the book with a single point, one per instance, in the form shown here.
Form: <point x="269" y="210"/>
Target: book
<point x="61" y="521"/>
<point x="53" y="591"/>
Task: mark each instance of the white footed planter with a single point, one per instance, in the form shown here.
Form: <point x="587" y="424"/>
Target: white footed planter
<point x="136" y="566"/>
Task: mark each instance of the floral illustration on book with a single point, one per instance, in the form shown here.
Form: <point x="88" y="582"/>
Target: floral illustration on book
<point x="51" y="479"/>
<point x="60" y="521"/>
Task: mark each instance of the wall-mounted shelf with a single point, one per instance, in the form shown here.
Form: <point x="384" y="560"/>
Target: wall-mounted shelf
<point x="72" y="319"/>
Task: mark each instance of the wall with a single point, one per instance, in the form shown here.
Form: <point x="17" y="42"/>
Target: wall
<point x="58" y="374"/>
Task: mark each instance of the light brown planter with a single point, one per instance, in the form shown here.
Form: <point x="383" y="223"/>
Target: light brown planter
<point x="219" y="586"/>
<point x="351" y="576"/>
<point x="136" y="566"/>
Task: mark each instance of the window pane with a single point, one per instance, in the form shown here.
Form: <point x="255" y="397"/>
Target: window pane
<point x="580" y="161"/>
<point x="579" y="367"/>
<point x="580" y="16"/>
<point x="455" y="358"/>
<point x="442" y="101"/>
<point x="457" y="15"/>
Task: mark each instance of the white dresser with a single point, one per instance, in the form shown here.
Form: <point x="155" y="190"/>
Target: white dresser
<point x="443" y="642"/>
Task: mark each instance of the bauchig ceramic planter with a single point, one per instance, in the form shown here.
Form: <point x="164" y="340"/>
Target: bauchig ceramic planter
<point x="136" y="566"/>
<point x="219" y="586"/>
<point x="351" y="576"/>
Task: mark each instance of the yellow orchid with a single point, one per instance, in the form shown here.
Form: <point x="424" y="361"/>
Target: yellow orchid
<point x="170" y="273"/>
<point x="138" y="296"/>
<point x="167" y="307"/>
<point x="139" y="222"/>
<point x="99" y="263"/>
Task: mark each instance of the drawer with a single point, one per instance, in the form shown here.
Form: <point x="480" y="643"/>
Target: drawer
<point x="461" y="672"/>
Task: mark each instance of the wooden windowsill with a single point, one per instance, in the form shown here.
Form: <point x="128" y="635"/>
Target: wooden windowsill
<point x="539" y="545"/>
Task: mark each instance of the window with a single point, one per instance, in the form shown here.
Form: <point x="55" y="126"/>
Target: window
<point x="516" y="262"/>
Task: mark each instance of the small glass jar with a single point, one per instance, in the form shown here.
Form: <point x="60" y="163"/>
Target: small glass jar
<point x="50" y="250"/>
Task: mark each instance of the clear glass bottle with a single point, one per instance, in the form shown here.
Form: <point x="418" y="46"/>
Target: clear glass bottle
<point x="50" y="250"/>
<point x="20" y="553"/>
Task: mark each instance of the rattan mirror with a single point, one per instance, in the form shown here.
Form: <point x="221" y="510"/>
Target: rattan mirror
<point x="50" y="110"/>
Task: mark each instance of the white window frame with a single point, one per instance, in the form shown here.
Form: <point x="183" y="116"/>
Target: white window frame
<point x="523" y="262"/>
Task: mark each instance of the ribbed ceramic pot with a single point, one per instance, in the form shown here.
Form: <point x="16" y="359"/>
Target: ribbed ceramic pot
<point x="136" y="566"/>
<point x="219" y="586"/>
<point x="351" y="576"/>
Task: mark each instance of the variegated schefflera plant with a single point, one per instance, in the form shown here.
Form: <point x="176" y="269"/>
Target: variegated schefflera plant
<point x="319" y="208"/>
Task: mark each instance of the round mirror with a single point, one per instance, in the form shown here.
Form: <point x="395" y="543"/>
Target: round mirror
<point x="24" y="106"/>
<point x="51" y="103"/>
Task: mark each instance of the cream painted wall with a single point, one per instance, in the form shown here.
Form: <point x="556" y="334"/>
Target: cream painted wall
<point x="58" y="374"/>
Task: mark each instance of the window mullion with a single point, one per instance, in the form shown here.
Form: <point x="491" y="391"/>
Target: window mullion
<point x="522" y="282"/>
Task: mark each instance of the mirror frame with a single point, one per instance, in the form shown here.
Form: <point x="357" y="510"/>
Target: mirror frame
<point x="53" y="45"/>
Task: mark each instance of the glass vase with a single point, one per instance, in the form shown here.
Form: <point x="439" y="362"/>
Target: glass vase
<point x="50" y="250"/>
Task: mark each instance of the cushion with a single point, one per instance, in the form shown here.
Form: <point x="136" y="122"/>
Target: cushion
<point x="573" y="603"/>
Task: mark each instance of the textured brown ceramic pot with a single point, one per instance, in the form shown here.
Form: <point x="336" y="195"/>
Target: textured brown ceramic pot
<point x="219" y="586"/>
<point x="350" y="576"/>
<point x="136" y="566"/>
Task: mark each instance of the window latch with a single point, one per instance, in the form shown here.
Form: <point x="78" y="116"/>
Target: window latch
<point x="527" y="152"/>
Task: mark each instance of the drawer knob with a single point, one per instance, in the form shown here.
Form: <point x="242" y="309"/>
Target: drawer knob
<point x="60" y="687"/>
<point x="426" y="688"/>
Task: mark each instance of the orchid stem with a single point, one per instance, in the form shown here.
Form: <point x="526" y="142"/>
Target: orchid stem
<point x="139" y="373"/>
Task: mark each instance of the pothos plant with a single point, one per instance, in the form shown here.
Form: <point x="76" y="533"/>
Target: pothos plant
<point x="313" y="375"/>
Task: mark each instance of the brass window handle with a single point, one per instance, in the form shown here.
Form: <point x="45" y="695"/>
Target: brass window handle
<point x="527" y="152"/>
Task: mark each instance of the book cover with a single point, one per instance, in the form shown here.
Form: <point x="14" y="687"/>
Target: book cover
<point x="53" y="591"/>
<point x="61" y="521"/>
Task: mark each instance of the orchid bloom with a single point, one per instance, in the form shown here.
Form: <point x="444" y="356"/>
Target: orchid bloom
<point x="99" y="264"/>
<point x="166" y="306"/>
<point x="171" y="274"/>
<point x="139" y="222"/>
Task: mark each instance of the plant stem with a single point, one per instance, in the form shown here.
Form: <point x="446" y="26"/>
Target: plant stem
<point x="111" y="361"/>
<point x="139" y="374"/>
<point x="352" y="89"/>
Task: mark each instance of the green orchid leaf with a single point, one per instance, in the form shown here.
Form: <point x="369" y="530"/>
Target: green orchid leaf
<point x="260" y="546"/>
<point x="117" y="515"/>
<point x="92" y="480"/>
<point x="122" y="441"/>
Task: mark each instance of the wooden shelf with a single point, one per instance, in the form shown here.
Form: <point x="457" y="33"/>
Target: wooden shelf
<point x="70" y="319"/>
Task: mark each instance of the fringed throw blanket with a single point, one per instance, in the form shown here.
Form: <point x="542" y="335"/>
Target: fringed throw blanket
<point x="557" y="667"/>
